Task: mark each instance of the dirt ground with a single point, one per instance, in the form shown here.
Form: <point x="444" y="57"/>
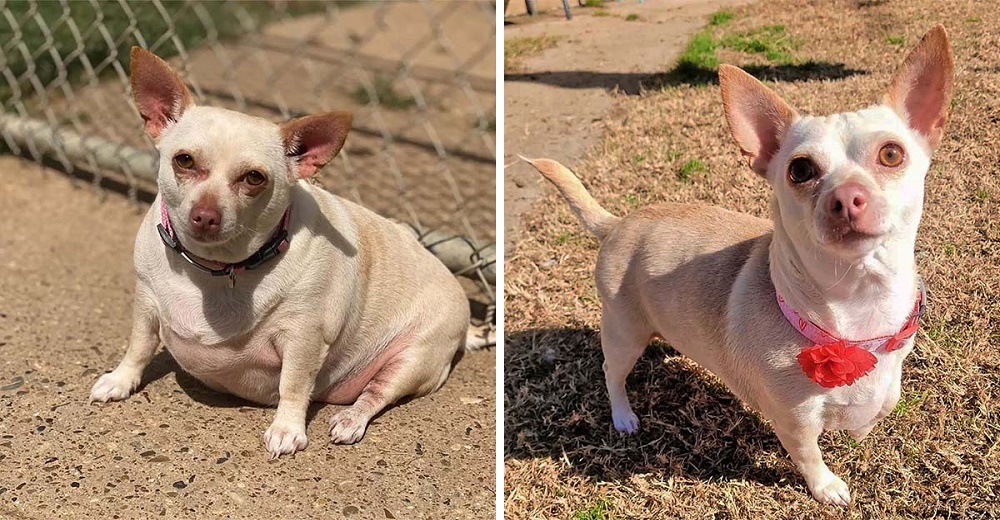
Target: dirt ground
<point x="564" y="97"/>
<point x="176" y="449"/>
<point x="701" y="453"/>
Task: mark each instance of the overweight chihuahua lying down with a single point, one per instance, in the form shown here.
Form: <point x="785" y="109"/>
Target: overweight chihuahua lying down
<point x="264" y="286"/>
<point x="806" y="317"/>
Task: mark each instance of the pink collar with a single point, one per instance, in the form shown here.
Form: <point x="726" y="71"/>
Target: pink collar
<point x="275" y="246"/>
<point x="833" y="361"/>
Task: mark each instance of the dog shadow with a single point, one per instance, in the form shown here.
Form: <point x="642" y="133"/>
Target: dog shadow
<point x="683" y="74"/>
<point x="556" y="406"/>
<point x="163" y="364"/>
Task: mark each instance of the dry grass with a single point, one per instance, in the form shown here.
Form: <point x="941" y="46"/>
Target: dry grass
<point x="701" y="454"/>
<point x="516" y="49"/>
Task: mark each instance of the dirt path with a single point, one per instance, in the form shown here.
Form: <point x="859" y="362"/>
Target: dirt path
<point x="177" y="449"/>
<point x="556" y="104"/>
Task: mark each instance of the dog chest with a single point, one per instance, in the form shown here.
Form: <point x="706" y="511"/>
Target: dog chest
<point x="855" y="406"/>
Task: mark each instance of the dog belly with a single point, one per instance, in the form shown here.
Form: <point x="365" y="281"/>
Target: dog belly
<point x="345" y="389"/>
<point x="251" y="371"/>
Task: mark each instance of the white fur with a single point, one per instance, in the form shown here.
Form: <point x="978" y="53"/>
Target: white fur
<point x="355" y="312"/>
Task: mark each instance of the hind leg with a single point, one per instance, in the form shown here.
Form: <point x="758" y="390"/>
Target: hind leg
<point x="410" y="373"/>
<point x="623" y="342"/>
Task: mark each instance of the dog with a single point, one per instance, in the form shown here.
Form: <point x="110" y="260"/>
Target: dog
<point x="267" y="287"/>
<point x="806" y="317"/>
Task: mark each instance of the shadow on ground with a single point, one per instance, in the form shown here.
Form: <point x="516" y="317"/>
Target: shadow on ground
<point x="163" y="364"/>
<point x="684" y="74"/>
<point x="556" y="406"/>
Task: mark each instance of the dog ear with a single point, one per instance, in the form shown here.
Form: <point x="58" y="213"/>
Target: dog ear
<point x="158" y="91"/>
<point x="314" y="140"/>
<point x="920" y="91"/>
<point x="757" y="117"/>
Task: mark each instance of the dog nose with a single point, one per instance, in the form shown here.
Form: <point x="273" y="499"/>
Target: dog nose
<point x="205" y="219"/>
<point x="849" y="201"/>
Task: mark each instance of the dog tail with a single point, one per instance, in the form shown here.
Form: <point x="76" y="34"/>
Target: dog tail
<point x="480" y="337"/>
<point x="596" y="219"/>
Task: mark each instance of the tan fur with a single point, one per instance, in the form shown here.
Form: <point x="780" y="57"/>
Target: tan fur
<point x="706" y="279"/>
<point x="596" y="219"/>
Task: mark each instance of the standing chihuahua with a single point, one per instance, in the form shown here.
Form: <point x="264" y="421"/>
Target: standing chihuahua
<point x="807" y="317"/>
<point x="264" y="286"/>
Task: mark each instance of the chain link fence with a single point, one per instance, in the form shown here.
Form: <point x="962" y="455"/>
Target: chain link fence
<point x="419" y="77"/>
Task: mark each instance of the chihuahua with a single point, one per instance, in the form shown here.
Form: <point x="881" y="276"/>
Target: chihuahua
<point x="264" y="286"/>
<point x="807" y="317"/>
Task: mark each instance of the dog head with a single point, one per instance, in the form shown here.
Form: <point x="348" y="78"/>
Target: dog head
<point x="847" y="183"/>
<point x="226" y="177"/>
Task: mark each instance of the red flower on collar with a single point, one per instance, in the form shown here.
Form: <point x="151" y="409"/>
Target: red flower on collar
<point x="836" y="364"/>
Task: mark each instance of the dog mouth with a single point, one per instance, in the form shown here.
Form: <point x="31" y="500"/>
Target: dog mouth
<point x="852" y="236"/>
<point x="207" y="238"/>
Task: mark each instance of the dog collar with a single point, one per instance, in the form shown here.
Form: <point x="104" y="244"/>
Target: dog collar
<point x="831" y="361"/>
<point x="277" y="244"/>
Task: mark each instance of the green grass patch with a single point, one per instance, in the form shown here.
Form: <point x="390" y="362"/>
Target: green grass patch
<point x="602" y="12"/>
<point x="690" y="168"/>
<point x="384" y="93"/>
<point x="638" y="158"/>
<point x="563" y="238"/>
<point x="912" y="402"/>
<point x="593" y="3"/>
<point x="721" y="18"/>
<point x="700" y="53"/>
<point x="632" y="199"/>
<point x="515" y="49"/>
<point x="597" y="511"/>
<point x="895" y="39"/>
<point x="980" y="194"/>
<point x="699" y="61"/>
<point x="769" y="40"/>
<point x="632" y="17"/>
<point x="45" y="30"/>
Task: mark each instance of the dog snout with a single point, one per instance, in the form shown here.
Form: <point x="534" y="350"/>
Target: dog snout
<point x="205" y="219"/>
<point x="849" y="202"/>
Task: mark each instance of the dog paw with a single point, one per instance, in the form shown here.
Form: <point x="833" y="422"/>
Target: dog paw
<point x="832" y="491"/>
<point x="625" y="421"/>
<point x="859" y="434"/>
<point x="113" y="386"/>
<point x="347" y="427"/>
<point x="285" y="439"/>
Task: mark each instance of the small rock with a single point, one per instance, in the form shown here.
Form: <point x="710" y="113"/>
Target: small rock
<point x="351" y="511"/>
<point x="180" y="484"/>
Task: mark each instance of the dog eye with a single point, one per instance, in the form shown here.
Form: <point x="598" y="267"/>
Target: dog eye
<point x="184" y="160"/>
<point x="801" y="170"/>
<point x="254" y="178"/>
<point x="891" y="155"/>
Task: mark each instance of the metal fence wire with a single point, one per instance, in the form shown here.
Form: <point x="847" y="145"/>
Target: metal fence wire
<point x="419" y="77"/>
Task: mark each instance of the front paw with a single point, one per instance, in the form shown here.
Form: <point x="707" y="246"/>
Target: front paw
<point x="285" y="438"/>
<point x="831" y="490"/>
<point x="113" y="386"/>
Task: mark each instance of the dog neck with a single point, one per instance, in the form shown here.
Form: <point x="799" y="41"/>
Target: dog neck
<point x="870" y="296"/>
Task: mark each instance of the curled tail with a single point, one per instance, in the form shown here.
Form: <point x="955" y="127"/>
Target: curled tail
<point x="596" y="219"/>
